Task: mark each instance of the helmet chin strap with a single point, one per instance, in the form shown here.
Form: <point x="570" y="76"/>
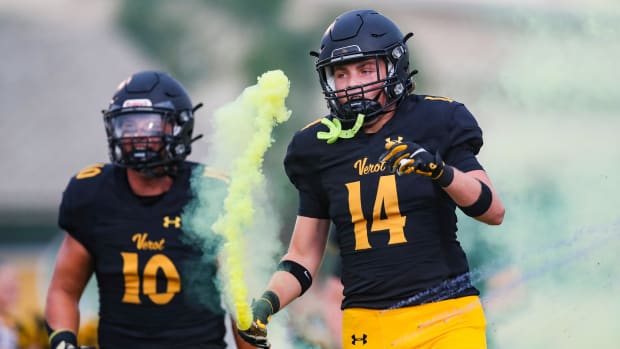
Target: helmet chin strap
<point x="164" y="170"/>
<point x="371" y="108"/>
<point x="151" y="172"/>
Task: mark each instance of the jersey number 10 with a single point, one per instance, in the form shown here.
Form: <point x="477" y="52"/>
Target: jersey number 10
<point x="149" y="278"/>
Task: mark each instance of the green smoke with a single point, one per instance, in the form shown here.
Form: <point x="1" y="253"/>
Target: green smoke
<point x="552" y="151"/>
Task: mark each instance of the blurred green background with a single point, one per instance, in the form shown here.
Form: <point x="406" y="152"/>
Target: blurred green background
<point x="541" y="78"/>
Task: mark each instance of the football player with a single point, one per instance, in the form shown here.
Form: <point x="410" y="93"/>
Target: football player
<point x="123" y="222"/>
<point x="389" y="168"/>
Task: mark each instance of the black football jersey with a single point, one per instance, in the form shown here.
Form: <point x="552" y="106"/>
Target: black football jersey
<point x="397" y="234"/>
<point x="146" y="266"/>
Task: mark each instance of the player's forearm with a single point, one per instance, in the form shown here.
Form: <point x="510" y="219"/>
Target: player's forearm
<point x="285" y="286"/>
<point x="62" y="311"/>
<point x="302" y="259"/>
<point x="467" y="190"/>
<point x="464" y="189"/>
<point x="289" y="283"/>
<point x="292" y="278"/>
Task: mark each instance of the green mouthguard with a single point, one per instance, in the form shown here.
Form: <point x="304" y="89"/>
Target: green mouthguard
<point x="336" y="131"/>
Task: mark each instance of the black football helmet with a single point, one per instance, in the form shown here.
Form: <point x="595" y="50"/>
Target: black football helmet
<point x="149" y="123"/>
<point x="359" y="35"/>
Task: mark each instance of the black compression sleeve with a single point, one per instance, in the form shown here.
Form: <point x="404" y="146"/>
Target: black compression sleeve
<point x="299" y="272"/>
<point x="482" y="204"/>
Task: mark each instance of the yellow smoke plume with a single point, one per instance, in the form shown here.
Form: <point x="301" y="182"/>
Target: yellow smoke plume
<point x="264" y="105"/>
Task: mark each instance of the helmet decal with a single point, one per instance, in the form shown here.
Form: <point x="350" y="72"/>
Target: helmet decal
<point x="141" y="102"/>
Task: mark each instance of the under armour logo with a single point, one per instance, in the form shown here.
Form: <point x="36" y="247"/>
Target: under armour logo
<point x="362" y="339"/>
<point x="176" y="221"/>
<point x="399" y="139"/>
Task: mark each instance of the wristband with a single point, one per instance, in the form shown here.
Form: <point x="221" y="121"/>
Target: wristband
<point x="267" y="305"/>
<point x="59" y="336"/>
<point x="446" y="176"/>
<point x="273" y="300"/>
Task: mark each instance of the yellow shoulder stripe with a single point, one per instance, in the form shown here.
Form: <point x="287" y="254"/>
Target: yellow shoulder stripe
<point x="215" y="173"/>
<point x="90" y="171"/>
<point x="312" y="123"/>
<point x="436" y="98"/>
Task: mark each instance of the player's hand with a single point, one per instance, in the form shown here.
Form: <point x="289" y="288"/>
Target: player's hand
<point x="64" y="345"/>
<point x="408" y="157"/>
<point x="65" y="339"/>
<point x="256" y="335"/>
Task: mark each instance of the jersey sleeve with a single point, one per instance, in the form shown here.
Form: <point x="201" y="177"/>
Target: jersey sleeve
<point x="301" y="171"/>
<point x="465" y="139"/>
<point x="75" y="212"/>
<point x="78" y="207"/>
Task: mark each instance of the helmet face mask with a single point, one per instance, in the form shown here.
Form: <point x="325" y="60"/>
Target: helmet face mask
<point x="149" y="124"/>
<point x="361" y="35"/>
<point x="365" y="98"/>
